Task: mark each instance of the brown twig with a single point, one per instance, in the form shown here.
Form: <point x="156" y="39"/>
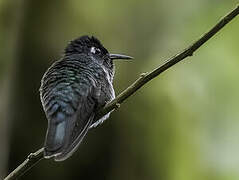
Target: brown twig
<point x="34" y="158"/>
<point x="31" y="160"/>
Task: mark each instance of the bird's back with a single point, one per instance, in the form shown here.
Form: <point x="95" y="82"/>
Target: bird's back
<point x="71" y="91"/>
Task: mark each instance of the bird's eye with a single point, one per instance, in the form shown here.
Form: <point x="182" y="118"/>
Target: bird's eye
<point x="95" y="50"/>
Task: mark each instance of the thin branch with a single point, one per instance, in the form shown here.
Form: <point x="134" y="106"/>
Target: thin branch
<point x="34" y="158"/>
<point x="31" y="160"/>
<point x="146" y="77"/>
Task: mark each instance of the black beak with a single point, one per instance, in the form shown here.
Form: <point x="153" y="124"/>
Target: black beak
<point x="119" y="56"/>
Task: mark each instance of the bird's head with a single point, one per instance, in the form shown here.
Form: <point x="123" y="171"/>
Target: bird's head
<point x="91" y="46"/>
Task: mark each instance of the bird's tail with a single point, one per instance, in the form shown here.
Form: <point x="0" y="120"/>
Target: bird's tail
<point x="55" y="136"/>
<point x="63" y="136"/>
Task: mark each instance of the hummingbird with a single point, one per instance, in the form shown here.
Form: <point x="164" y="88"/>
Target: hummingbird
<point x="72" y="90"/>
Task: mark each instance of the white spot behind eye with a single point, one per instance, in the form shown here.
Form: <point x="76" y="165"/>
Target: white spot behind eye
<point x="93" y="50"/>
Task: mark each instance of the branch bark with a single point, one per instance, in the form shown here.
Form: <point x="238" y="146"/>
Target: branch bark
<point x="34" y="158"/>
<point x="31" y="160"/>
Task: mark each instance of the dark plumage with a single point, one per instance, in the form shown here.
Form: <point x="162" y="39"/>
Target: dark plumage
<point x="71" y="91"/>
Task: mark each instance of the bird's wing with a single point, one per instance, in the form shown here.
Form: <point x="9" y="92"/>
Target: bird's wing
<point x="67" y="126"/>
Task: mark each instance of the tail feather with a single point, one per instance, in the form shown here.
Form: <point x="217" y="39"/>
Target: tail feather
<point x="61" y="141"/>
<point x="55" y="135"/>
<point x="68" y="151"/>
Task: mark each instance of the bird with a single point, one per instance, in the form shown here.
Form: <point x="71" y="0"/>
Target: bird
<point x="72" y="90"/>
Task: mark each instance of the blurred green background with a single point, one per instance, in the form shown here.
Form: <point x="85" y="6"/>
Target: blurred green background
<point x="181" y="126"/>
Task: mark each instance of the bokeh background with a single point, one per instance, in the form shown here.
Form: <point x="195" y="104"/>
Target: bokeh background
<point x="183" y="125"/>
